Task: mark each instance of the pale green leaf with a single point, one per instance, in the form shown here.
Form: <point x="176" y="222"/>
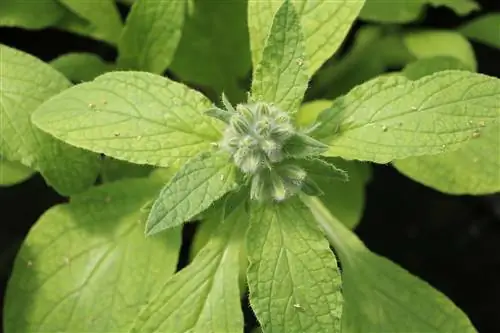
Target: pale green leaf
<point x="195" y="187"/>
<point x="102" y="15"/>
<point x="308" y="112"/>
<point x="151" y="35"/>
<point x="325" y="24"/>
<point x="392" y="118"/>
<point x="380" y="296"/>
<point x="473" y="169"/>
<point x="30" y="14"/>
<point x="408" y="11"/>
<point x="214" y="49"/>
<point x="204" y="296"/>
<point x="86" y="266"/>
<point x="113" y="169"/>
<point x="292" y="275"/>
<point x="133" y="116"/>
<point x="281" y="77"/>
<point x="80" y="67"/>
<point x="26" y="83"/>
<point x="12" y="173"/>
<point x="431" y="43"/>
<point x="484" y="29"/>
<point x="429" y="66"/>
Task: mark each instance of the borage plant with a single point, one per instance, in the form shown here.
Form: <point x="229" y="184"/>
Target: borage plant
<point x="266" y="178"/>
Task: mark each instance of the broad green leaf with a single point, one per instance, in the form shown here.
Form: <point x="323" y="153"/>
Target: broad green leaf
<point x="151" y="35"/>
<point x="30" y="14"/>
<point x="81" y="67"/>
<point x="292" y="275"/>
<point x="204" y="296"/>
<point x="26" y="83"/>
<point x="280" y="77"/>
<point x="391" y="118"/>
<point x="193" y="189"/>
<point x="86" y="266"/>
<point x="102" y="15"/>
<point x="325" y="24"/>
<point x="409" y="11"/>
<point x="113" y="169"/>
<point x="473" y="169"/>
<point x="426" y="44"/>
<point x="12" y="173"/>
<point x="214" y="49"/>
<point x="380" y="296"/>
<point x="483" y="29"/>
<point x="429" y="66"/>
<point x="133" y="116"/>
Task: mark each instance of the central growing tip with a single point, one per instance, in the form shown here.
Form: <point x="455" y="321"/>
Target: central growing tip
<point x="265" y="146"/>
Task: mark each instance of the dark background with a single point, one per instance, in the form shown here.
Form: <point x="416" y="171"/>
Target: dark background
<point x="452" y="242"/>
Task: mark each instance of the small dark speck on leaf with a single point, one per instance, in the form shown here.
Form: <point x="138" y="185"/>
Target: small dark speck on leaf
<point x="476" y="134"/>
<point x="482" y="123"/>
<point x="107" y="200"/>
<point x="29" y="263"/>
<point x="116" y="134"/>
<point x="91" y="105"/>
<point x="384" y="128"/>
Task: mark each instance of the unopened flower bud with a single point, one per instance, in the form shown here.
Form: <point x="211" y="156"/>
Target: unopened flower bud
<point x="282" y="132"/>
<point x="239" y="124"/>
<point x="278" y="189"/>
<point x="293" y="174"/>
<point x="272" y="150"/>
<point x="252" y="162"/>
<point x="245" y="112"/>
<point x="263" y="127"/>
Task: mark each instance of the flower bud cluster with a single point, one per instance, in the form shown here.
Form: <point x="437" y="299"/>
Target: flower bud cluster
<point x="256" y="137"/>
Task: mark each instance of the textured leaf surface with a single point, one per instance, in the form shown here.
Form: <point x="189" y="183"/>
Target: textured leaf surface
<point x="133" y="116"/>
<point x="408" y="11"/>
<point x="392" y="118"/>
<point x="380" y="296"/>
<point x="86" y="266"/>
<point x="103" y="15"/>
<point x="80" y="67"/>
<point x="214" y="49"/>
<point x="151" y="35"/>
<point x="192" y="190"/>
<point x="325" y="24"/>
<point x="281" y="77"/>
<point x="484" y="29"/>
<point x="30" y="14"/>
<point x="293" y="276"/>
<point x="12" y="173"/>
<point x="204" y="296"/>
<point x="26" y="83"/>
<point x="431" y="43"/>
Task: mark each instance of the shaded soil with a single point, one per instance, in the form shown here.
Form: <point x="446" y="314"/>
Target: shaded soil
<point x="453" y="242"/>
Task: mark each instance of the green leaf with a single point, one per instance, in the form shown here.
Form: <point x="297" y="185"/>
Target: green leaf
<point x="30" y="14"/>
<point x="214" y="49"/>
<point x="429" y="66"/>
<point x="293" y="276"/>
<point x="431" y="43"/>
<point x="379" y="295"/>
<point x="343" y="187"/>
<point x="280" y="77"/>
<point x="409" y="11"/>
<point x="473" y="169"/>
<point x="193" y="189"/>
<point x="483" y="29"/>
<point x="73" y="23"/>
<point x="151" y="35"/>
<point x="325" y="24"/>
<point x="26" y="83"/>
<point x="204" y="296"/>
<point x="80" y="67"/>
<point x="113" y="169"/>
<point x="133" y="116"/>
<point x="308" y="112"/>
<point x="391" y="118"/>
<point x="12" y="173"/>
<point x="86" y="266"/>
<point x="102" y="15"/>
